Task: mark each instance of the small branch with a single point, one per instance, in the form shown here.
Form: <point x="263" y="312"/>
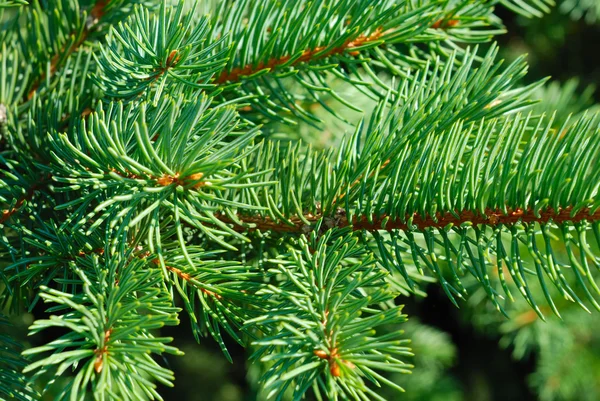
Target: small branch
<point x="96" y="13"/>
<point x="187" y="277"/>
<point x="309" y="55"/>
<point x="339" y="220"/>
<point x="490" y="218"/>
<point x="178" y="272"/>
<point x="7" y="213"/>
<point x="332" y="355"/>
<point x="259" y="223"/>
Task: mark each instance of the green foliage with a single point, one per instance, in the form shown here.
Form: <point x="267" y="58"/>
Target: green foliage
<point x="172" y="156"/>
<point x="152" y="50"/>
<point x="478" y="249"/>
<point x="13" y="76"/>
<point x="325" y="325"/>
<point x="12" y="3"/>
<point x="568" y="360"/>
<point x="535" y="8"/>
<point x="149" y="166"/>
<point x="434" y="353"/>
<point x="109" y="322"/>
<point x="566" y="347"/>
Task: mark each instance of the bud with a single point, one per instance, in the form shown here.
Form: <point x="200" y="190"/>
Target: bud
<point x="321" y="354"/>
<point x="98" y="363"/>
<point x="335" y="369"/>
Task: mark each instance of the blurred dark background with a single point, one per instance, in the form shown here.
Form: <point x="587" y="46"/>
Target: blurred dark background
<point x="557" y="45"/>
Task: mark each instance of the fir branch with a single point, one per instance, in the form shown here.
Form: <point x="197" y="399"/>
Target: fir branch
<point x="224" y="290"/>
<point x="218" y="295"/>
<point x="361" y="40"/>
<point x="307" y="56"/>
<point x="172" y="194"/>
<point x="96" y="13"/>
<point x="463" y="192"/>
<point x="110" y="328"/>
<point x="490" y="217"/>
<point x="134" y="63"/>
<point x="30" y="192"/>
<point x="324" y="329"/>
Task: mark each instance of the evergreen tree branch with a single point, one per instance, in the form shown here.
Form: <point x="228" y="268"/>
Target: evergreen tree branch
<point x="352" y="35"/>
<point x="216" y="294"/>
<point x="307" y="56"/>
<point x="324" y="330"/>
<point x="490" y="217"/>
<point x="167" y="193"/>
<point x="81" y="35"/>
<point x="30" y="192"/>
<point x="109" y="331"/>
<point x="465" y="212"/>
<point x="158" y="62"/>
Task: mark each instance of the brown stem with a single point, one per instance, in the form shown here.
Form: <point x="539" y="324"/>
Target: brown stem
<point x="308" y="55"/>
<point x="491" y="217"/>
<point x="236" y="73"/>
<point x="445" y="23"/>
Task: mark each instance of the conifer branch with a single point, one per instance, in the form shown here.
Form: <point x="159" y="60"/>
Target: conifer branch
<point x="142" y="254"/>
<point x="307" y="56"/>
<point x="491" y="218"/>
<point x="96" y="14"/>
<point x="315" y="54"/>
<point x="7" y="213"/>
<point x="159" y="189"/>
